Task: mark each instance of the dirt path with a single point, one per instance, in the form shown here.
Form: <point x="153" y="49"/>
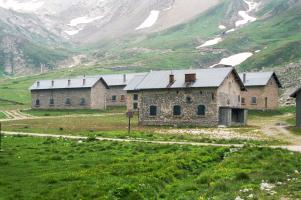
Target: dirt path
<point x="276" y="127"/>
<point x="16" y="115"/>
<point x="295" y="148"/>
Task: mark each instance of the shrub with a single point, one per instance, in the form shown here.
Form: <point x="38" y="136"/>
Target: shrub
<point x="242" y="176"/>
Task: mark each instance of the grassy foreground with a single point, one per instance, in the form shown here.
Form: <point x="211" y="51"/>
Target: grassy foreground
<point x="35" y="168"/>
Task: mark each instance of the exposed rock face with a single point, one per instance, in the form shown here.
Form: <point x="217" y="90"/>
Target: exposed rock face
<point x="13" y="58"/>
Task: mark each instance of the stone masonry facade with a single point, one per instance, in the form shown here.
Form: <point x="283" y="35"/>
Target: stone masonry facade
<point x="266" y="96"/>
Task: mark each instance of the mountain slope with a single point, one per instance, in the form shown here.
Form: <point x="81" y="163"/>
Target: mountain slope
<point x="26" y="45"/>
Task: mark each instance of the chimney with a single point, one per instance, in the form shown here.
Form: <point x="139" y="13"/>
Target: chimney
<point x="244" y="79"/>
<point x="52" y="83"/>
<point x="69" y="82"/>
<point x="124" y="78"/>
<point x="38" y="83"/>
<point x="171" y="79"/>
<point x="190" y="78"/>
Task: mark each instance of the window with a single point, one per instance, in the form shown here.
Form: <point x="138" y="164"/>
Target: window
<point x="38" y="102"/>
<point x="153" y="111"/>
<point x="212" y="96"/>
<point x="201" y="110"/>
<point x="82" y="102"/>
<point x="188" y="100"/>
<point x="135" y="97"/>
<point x="122" y="98"/>
<point x="177" y="110"/>
<point x="178" y="91"/>
<point x="201" y="92"/>
<point x="51" y="102"/>
<point x="243" y="101"/>
<point x="68" y="102"/>
<point x="239" y="98"/>
<point x="135" y="106"/>
<point x="114" y="98"/>
<point x="253" y="100"/>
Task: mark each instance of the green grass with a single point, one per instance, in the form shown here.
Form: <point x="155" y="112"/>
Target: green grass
<point x="34" y="168"/>
<point x="115" y="126"/>
<point x="271" y="113"/>
<point x="2" y="116"/>
<point x="40" y="113"/>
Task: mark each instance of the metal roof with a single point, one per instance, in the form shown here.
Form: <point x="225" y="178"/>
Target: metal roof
<point x="259" y="78"/>
<point x="204" y="78"/>
<point x="294" y="95"/>
<point x="134" y="82"/>
<point x="118" y="79"/>
<point x="63" y="83"/>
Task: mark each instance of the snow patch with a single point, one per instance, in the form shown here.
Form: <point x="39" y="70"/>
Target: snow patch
<point x="83" y="20"/>
<point x="29" y="6"/>
<point x="150" y="20"/>
<point x="230" y="31"/>
<point x="245" y="14"/>
<point x="234" y="60"/>
<point x="211" y="42"/>
<point x="73" y="32"/>
<point x="222" y="27"/>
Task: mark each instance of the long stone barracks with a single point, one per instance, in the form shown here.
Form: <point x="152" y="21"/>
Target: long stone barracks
<point x="201" y="97"/>
<point x="83" y="93"/>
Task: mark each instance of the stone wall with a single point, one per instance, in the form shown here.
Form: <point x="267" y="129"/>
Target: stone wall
<point x="229" y="93"/>
<point x="270" y="91"/>
<point x="98" y="96"/>
<point x="119" y="93"/>
<point x="165" y="100"/>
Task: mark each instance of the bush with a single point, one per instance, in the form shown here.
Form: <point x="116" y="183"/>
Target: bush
<point x="242" y="176"/>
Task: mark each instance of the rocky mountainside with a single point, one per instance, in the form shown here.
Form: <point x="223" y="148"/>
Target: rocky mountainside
<point x="139" y="35"/>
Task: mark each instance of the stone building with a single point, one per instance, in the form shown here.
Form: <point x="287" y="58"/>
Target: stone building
<point x="116" y="95"/>
<point x="262" y="90"/>
<point x="297" y="96"/>
<point x="201" y="97"/>
<point x="78" y="93"/>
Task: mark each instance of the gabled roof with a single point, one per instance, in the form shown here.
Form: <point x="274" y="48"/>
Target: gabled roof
<point x="205" y="78"/>
<point x="294" y="95"/>
<point x="117" y="79"/>
<point x="63" y="83"/>
<point x="259" y="78"/>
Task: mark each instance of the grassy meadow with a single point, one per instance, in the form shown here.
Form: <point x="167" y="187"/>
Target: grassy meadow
<point x="35" y="168"/>
<point x="115" y="125"/>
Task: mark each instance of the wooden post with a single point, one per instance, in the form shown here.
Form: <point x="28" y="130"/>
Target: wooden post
<point x="129" y="127"/>
<point x="129" y="114"/>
